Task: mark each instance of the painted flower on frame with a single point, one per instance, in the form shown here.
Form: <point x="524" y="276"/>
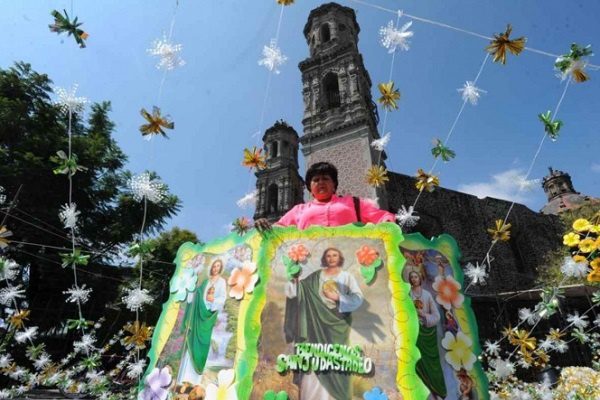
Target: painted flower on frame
<point x="224" y="389"/>
<point x="459" y="353"/>
<point x="375" y="394"/>
<point x="448" y="292"/>
<point x="366" y="255"/>
<point x="242" y="280"/>
<point x="298" y="254"/>
<point x="183" y="283"/>
<point x="157" y="385"/>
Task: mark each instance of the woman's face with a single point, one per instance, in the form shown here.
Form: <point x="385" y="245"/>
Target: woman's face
<point x="332" y="258"/>
<point x="322" y="187"/>
<point x="414" y="279"/>
<point x="215" y="268"/>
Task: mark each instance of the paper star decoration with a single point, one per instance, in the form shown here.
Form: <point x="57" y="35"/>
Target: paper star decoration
<point x="143" y="186"/>
<point x="377" y="176"/>
<point x="272" y="57"/>
<point x="500" y="232"/>
<point x="4" y="235"/>
<point x="136" y="298"/>
<point x="393" y="38"/>
<point x="68" y="101"/>
<point x="155" y="123"/>
<point x="439" y="150"/>
<point x="574" y="63"/>
<point x="168" y="54"/>
<point x="285" y="2"/>
<point x="68" y="215"/>
<point x="551" y="126"/>
<point x="241" y="225"/>
<point x="389" y="95"/>
<point x="406" y="218"/>
<point x="476" y="273"/>
<point x="78" y="294"/>
<point x="379" y="144"/>
<point x="426" y="181"/>
<point x="470" y="92"/>
<point x="254" y="159"/>
<point x="501" y="44"/>
<point x="63" y="24"/>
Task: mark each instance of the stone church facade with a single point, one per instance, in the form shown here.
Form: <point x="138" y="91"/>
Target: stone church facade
<point x="339" y="124"/>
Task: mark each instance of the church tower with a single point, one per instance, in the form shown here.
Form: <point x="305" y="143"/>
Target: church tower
<point x="340" y="117"/>
<point x="279" y="186"/>
<point x="561" y="193"/>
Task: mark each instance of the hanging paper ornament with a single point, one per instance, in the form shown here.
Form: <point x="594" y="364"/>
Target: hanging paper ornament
<point x="380" y="143"/>
<point x="550" y="126"/>
<point x="156" y="123"/>
<point x="377" y="176"/>
<point x="63" y="24"/>
<point x="254" y="159"/>
<point x="393" y="38"/>
<point x="241" y="225"/>
<point x="406" y="218"/>
<point x="470" y="92"/>
<point x="389" y="95"/>
<point x="4" y="234"/>
<point x="68" y="101"/>
<point x="272" y="57"/>
<point x="502" y="43"/>
<point x="426" y="181"/>
<point x="439" y="150"/>
<point x="476" y="273"/>
<point x="17" y="320"/>
<point x="521" y="338"/>
<point x="138" y="335"/>
<point x="143" y="186"/>
<point x="285" y="2"/>
<point x="573" y="63"/>
<point x="68" y="215"/>
<point x="78" y="294"/>
<point x="136" y="298"/>
<point x="500" y="232"/>
<point x="168" y="54"/>
<point x="2" y="195"/>
<point x="74" y="258"/>
<point x="66" y="165"/>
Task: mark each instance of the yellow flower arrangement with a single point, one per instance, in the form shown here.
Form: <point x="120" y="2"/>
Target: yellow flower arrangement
<point x="587" y="245"/>
<point x="571" y="239"/>
<point x="580" y="259"/>
<point x="581" y="225"/>
<point x="595" y="264"/>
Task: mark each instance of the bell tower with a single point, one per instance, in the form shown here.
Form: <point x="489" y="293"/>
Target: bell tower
<point x="340" y="118"/>
<point x="279" y="186"/>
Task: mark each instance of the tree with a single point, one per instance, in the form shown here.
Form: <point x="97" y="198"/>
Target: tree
<point x="32" y="130"/>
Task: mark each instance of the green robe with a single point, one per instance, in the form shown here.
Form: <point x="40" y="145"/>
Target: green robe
<point x="429" y="367"/>
<point x="308" y="319"/>
<point x="199" y="322"/>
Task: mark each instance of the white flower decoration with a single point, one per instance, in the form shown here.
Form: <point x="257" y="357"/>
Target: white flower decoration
<point x="225" y="388"/>
<point x="27" y="335"/>
<point x="168" y="54"/>
<point x="78" y="294"/>
<point x="470" y="92"/>
<point x="136" y="369"/>
<point x="10" y="294"/>
<point x="183" y="284"/>
<point x="144" y="187"/>
<point x="492" y="348"/>
<point x="42" y="361"/>
<point x="68" y="215"/>
<point x="67" y="100"/>
<point x="393" y="38"/>
<point x="578" y="321"/>
<point x="459" y="350"/>
<point x="574" y="269"/>
<point x="526" y="315"/>
<point x="476" y="273"/>
<point x="272" y="57"/>
<point x="406" y="218"/>
<point x="502" y="368"/>
<point x="5" y="360"/>
<point x="135" y="298"/>
<point x="85" y="344"/>
<point x="380" y="143"/>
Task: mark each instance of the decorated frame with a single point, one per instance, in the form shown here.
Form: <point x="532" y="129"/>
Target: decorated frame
<point x="380" y="354"/>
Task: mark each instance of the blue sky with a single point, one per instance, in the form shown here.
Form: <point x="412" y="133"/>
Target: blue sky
<point x="216" y="98"/>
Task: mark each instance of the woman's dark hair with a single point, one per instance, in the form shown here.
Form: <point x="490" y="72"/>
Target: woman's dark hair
<point x="324" y="260"/>
<point x="220" y="267"/>
<point x="322" y="168"/>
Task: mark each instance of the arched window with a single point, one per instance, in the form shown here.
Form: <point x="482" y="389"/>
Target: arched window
<point x="332" y="91"/>
<point x="325" y="33"/>
<point x="274" y="149"/>
<point x="273" y="198"/>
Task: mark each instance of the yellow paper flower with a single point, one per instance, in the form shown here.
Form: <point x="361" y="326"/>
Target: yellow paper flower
<point x="594" y="275"/>
<point x="156" y="123"/>
<point x="587" y="245"/>
<point x="502" y="43"/>
<point x="140" y="334"/>
<point x="501" y="231"/>
<point x="4" y="234"/>
<point x="555" y="334"/>
<point x="581" y="225"/>
<point x="285" y="2"/>
<point x="17" y="320"/>
<point x="426" y="182"/>
<point x="459" y="353"/>
<point x="521" y="338"/>
<point x="389" y="95"/>
<point x="580" y="259"/>
<point x="377" y="176"/>
<point x="571" y="239"/>
<point x="595" y="228"/>
<point x="578" y="383"/>
<point x="254" y="159"/>
<point x="595" y="264"/>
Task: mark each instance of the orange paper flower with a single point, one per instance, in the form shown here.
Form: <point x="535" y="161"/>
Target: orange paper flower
<point x="298" y="254"/>
<point x="242" y="280"/>
<point x="366" y="255"/>
<point x="254" y="159"/>
<point x="448" y="294"/>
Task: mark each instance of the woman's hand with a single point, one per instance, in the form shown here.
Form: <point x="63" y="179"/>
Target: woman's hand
<point x="262" y="224"/>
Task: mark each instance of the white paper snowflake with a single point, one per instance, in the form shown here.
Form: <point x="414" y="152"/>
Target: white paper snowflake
<point x="492" y="348"/>
<point x="27" y="335"/>
<point x="135" y="299"/>
<point x="546" y="344"/>
<point x="249" y="200"/>
<point x="94" y="376"/>
<point x="67" y="100"/>
<point x="470" y="92"/>
<point x="136" y="369"/>
<point x="5" y="394"/>
<point x="502" y="368"/>
<point x="168" y="54"/>
<point x="78" y="294"/>
<point x="380" y="143"/>
<point x="9" y="269"/>
<point x="526" y="315"/>
<point x="10" y="294"/>
<point x="561" y="346"/>
<point x="574" y="269"/>
<point x="476" y="273"/>
<point x="405" y="217"/>
<point x="597" y="321"/>
<point x="42" y="361"/>
<point x="85" y="344"/>
<point x="5" y="360"/>
<point x="2" y="195"/>
<point x="579" y="321"/>
<point x="272" y="57"/>
<point x="393" y="38"/>
<point x="21" y="389"/>
<point x="68" y="215"/>
<point x="144" y="187"/>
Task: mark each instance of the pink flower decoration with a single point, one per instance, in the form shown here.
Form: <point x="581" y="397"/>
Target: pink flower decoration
<point x="298" y="253"/>
<point x="242" y="280"/>
<point x="448" y="292"/>
<point x="157" y="385"/>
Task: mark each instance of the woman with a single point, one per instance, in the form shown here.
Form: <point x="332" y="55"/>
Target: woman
<point x="326" y="208"/>
<point x="318" y="311"/>
<point x="428" y="367"/>
<point x="198" y="322"/>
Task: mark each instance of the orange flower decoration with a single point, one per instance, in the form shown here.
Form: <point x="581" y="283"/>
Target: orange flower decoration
<point x="366" y="255"/>
<point x="448" y="292"/>
<point x="254" y="159"/>
<point x="242" y="280"/>
<point x="298" y="254"/>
